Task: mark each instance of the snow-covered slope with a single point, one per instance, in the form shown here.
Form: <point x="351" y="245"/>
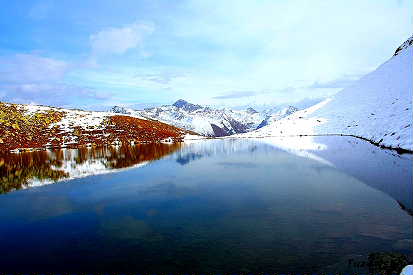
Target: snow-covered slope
<point x="272" y="117"/>
<point x="378" y="108"/>
<point x="209" y="121"/>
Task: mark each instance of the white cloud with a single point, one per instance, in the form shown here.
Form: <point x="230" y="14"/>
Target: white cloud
<point x="31" y="68"/>
<point x="119" y="40"/>
<point x="270" y="45"/>
<point x="26" y="78"/>
<point x="54" y="94"/>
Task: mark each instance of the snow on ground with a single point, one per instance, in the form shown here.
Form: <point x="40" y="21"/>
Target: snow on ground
<point x="76" y="118"/>
<point x="83" y="119"/>
<point x="378" y="108"/>
<point x="73" y="118"/>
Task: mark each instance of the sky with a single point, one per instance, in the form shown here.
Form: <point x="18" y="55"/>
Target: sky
<point x="138" y="53"/>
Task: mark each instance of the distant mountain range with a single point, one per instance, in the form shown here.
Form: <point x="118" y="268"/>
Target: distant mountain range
<point x="209" y="121"/>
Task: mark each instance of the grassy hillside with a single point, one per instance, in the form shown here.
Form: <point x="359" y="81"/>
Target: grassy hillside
<point x="25" y="127"/>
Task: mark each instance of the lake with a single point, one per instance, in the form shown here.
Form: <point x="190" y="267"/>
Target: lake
<point x="212" y="206"/>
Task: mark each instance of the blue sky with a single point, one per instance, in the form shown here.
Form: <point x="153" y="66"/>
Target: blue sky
<point x="98" y="53"/>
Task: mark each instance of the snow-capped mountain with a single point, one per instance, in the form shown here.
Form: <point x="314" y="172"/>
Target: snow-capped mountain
<point x="206" y="120"/>
<point x="272" y="116"/>
<point x="378" y="108"/>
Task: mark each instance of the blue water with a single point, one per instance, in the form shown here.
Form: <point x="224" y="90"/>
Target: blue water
<point x="215" y="206"/>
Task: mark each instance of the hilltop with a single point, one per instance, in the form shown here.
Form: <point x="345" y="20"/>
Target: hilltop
<point x="33" y="126"/>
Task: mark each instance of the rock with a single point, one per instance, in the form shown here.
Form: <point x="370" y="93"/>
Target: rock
<point x="119" y="110"/>
<point x="386" y="263"/>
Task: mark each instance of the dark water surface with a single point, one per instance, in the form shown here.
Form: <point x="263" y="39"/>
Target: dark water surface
<point x="212" y="206"/>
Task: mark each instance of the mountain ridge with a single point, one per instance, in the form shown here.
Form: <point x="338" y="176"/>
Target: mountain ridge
<point x="206" y="120"/>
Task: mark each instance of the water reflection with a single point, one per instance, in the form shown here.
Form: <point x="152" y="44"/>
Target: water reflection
<point x="381" y="169"/>
<point x="28" y="169"/>
<point x="184" y="159"/>
<point x="236" y="206"/>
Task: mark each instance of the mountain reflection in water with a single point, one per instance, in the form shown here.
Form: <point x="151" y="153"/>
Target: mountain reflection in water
<point x="213" y="206"/>
<point x="28" y="169"/>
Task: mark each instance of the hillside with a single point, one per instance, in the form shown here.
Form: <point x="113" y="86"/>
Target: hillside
<point x="377" y="108"/>
<point x="32" y="126"/>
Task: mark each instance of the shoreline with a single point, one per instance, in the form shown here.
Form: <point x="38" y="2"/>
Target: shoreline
<point x="183" y="139"/>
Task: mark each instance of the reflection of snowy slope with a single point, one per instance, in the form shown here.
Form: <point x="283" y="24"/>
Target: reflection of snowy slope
<point x="384" y="170"/>
<point x="89" y="167"/>
<point x="45" y="167"/>
<point x="198" y="149"/>
<point x="378" y="107"/>
<point x="299" y="146"/>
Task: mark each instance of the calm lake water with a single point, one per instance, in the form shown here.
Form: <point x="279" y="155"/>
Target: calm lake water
<point x="209" y="206"/>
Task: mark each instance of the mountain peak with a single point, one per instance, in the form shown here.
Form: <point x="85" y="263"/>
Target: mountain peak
<point x="251" y="110"/>
<point x="405" y="45"/>
<point x="185" y="105"/>
<point x="180" y="103"/>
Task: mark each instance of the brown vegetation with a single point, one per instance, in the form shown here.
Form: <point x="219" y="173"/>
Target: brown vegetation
<point x="22" y="131"/>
